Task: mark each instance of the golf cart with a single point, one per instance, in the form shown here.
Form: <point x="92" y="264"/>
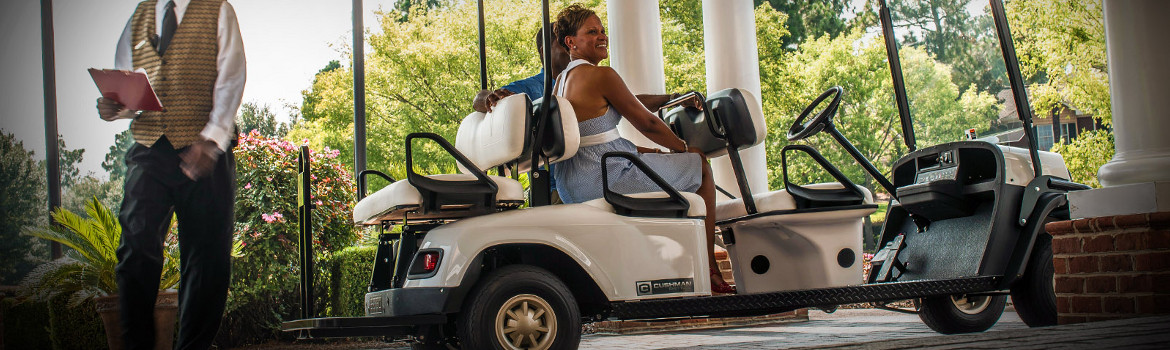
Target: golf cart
<point x="472" y="267"/>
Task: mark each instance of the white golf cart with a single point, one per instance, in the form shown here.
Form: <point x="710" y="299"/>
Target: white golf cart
<point x="473" y="269"/>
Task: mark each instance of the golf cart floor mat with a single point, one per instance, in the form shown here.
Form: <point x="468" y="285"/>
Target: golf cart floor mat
<point x="767" y="303"/>
<point x="335" y="327"/>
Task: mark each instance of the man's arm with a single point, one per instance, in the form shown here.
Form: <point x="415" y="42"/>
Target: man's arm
<point x="229" y="85"/>
<point x="486" y="99"/>
<point x="108" y="109"/>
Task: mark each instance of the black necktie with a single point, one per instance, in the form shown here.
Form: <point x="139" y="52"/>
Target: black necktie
<point x="169" y="24"/>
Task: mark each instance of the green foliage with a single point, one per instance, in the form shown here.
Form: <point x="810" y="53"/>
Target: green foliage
<point x="22" y="190"/>
<point x="115" y="163"/>
<point x="261" y="119"/>
<point x="810" y="19"/>
<point x="69" y="159"/>
<point x="87" y="270"/>
<point x="1061" y="45"/>
<point x="32" y="332"/>
<point x="1086" y="154"/>
<point x="108" y="193"/>
<point x="867" y="116"/>
<point x="75" y="326"/>
<point x="265" y="274"/>
<point x="350" y="279"/>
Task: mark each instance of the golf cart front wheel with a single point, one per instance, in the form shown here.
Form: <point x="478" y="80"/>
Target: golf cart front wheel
<point x="954" y="314"/>
<point x="520" y="307"/>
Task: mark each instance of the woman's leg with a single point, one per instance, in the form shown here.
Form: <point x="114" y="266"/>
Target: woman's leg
<point x="707" y="191"/>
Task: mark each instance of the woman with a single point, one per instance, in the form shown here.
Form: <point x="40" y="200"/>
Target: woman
<point x="600" y="99"/>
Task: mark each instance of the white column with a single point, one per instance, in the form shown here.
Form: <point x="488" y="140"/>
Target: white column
<point x="1139" y="86"/>
<point x="1137" y="180"/>
<point x="635" y="52"/>
<point x="729" y="39"/>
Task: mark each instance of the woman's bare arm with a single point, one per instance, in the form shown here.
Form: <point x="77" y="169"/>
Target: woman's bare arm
<point x="615" y="91"/>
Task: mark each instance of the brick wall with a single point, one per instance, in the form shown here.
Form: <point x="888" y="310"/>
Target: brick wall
<point x="1111" y="267"/>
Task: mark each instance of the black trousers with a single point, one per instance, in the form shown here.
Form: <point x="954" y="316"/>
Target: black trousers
<point x="156" y="189"/>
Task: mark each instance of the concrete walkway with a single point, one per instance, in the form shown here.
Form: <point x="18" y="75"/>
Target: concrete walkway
<point x="822" y="330"/>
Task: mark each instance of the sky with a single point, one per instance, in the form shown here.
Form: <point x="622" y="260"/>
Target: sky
<point x="285" y="41"/>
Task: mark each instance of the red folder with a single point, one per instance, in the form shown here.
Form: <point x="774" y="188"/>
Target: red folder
<point x="131" y="89"/>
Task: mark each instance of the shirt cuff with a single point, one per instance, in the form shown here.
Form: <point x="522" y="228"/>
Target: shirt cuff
<point x="220" y="136"/>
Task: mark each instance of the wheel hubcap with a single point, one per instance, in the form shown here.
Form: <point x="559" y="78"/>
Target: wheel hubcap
<point x="526" y="321"/>
<point x="971" y="305"/>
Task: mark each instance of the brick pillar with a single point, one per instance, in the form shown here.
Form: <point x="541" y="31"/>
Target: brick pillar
<point x="1111" y="267"/>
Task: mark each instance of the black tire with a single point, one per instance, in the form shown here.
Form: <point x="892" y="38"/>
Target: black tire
<point x="944" y="315"/>
<point x="520" y="287"/>
<point x="1033" y="294"/>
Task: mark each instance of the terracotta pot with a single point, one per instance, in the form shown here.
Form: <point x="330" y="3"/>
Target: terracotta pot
<point x="165" y="309"/>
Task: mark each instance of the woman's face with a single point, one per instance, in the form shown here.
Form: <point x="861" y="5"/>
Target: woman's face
<point x="590" y="43"/>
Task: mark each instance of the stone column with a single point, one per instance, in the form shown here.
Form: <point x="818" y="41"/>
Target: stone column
<point x="1139" y="79"/>
<point x="729" y="40"/>
<point x="635" y="52"/>
<point x="1137" y="180"/>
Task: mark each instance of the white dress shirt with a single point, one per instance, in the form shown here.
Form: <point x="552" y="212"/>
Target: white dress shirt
<point x="229" y="85"/>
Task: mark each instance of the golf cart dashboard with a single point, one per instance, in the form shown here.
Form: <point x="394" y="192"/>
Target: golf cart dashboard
<point x="944" y="181"/>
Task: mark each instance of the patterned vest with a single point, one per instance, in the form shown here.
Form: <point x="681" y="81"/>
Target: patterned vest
<point x="184" y="77"/>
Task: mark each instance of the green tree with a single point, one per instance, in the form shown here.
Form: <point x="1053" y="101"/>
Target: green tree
<point x="954" y="35"/>
<point x="809" y="19"/>
<point x="1061" y="45"/>
<point x="261" y="119"/>
<point x="69" y="159"/>
<point x="115" y="163"/>
<point x="22" y="189"/>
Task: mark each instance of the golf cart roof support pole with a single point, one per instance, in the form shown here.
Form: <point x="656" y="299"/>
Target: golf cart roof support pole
<point x="538" y="125"/>
<point x="853" y="151"/>
<point x="359" y="92"/>
<point x="899" y="82"/>
<point x="305" y="224"/>
<point x="483" y="84"/>
<point x="52" y="154"/>
<point x="1023" y="109"/>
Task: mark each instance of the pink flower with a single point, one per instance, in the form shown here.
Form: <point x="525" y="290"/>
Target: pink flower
<point x="248" y="186"/>
<point x="268" y="218"/>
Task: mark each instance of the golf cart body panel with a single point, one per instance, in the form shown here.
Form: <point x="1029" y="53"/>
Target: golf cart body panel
<point x="618" y="252"/>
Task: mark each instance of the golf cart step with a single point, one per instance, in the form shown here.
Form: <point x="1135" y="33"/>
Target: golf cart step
<point x="335" y="327"/>
<point x="755" y="304"/>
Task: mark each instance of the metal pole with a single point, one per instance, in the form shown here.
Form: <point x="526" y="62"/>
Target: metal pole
<point x="1023" y="109"/>
<point x="52" y="154"/>
<point x="899" y="83"/>
<point x="359" y="90"/>
<point x="483" y="83"/>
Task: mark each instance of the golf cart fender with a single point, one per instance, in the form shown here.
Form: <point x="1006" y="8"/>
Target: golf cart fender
<point x="1050" y="204"/>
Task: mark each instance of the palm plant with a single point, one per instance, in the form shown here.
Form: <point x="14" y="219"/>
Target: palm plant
<point x="87" y="269"/>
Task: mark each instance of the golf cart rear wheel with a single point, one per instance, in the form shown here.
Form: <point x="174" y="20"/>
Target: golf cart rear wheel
<point x="1033" y="294"/>
<point x="520" y="307"/>
<point x="955" y="314"/>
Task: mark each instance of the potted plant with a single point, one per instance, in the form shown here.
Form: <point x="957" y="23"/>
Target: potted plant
<point x="87" y="270"/>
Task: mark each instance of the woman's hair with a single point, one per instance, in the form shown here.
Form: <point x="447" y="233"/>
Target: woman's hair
<point x="569" y="21"/>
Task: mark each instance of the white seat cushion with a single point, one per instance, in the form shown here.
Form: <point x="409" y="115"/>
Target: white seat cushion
<point x="697" y="207"/>
<point x="391" y="202"/>
<point x="773" y="201"/>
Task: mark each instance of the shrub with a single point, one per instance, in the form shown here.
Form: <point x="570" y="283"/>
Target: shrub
<point x="32" y="332"/>
<point x="265" y="276"/>
<point x="75" y="326"/>
<point x="350" y="270"/>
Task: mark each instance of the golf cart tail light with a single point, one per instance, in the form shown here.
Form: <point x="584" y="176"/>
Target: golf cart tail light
<point x="430" y="261"/>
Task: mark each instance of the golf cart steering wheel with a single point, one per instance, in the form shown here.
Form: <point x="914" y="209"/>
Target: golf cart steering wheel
<point x="801" y="129"/>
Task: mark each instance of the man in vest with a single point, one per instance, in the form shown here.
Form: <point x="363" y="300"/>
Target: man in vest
<point x="181" y="163"/>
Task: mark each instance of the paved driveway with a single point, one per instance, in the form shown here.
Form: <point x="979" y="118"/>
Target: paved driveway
<point x="843" y="326"/>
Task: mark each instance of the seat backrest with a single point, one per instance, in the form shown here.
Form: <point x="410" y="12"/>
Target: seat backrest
<point x="734" y="112"/>
<point x="561" y="137"/>
<point x="497" y="137"/>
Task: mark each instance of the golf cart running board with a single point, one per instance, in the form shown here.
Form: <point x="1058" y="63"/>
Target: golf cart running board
<point x="769" y="303"/>
<point x="340" y="327"/>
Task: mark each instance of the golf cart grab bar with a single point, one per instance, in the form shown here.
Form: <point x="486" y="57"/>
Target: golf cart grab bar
<point x="806" y="194"/>
<point x="715" y="126"/>
<point x="674" y="204"/>
<point x="362" y="182"/>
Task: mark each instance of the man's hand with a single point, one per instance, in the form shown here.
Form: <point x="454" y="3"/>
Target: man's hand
<point x="199" y="159"/>
<point x="486" y="100"/>
<point x="110" y="110"/>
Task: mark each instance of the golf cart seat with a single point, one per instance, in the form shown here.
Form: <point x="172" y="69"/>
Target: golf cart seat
<point x="484" y="141"/>
<point x="776" y="201"/>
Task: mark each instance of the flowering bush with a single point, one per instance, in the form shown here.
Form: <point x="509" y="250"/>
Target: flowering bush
<point x="266" y="273"/>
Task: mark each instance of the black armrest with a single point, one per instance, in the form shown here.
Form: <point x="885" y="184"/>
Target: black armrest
<point x="481" y="191"/>
<point x="361" y="182"/>
<point x="672" y="206"/>
<point x="814" y="198"/>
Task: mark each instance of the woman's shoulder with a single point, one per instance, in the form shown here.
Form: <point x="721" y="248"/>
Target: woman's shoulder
<point x="600" y="74"/>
